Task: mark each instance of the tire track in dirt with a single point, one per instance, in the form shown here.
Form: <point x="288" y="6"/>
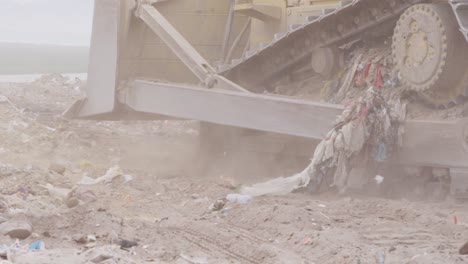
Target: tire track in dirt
<point x="208" y="244"/>
<point x="242" y="232"/>
<point x="388" y="237"/>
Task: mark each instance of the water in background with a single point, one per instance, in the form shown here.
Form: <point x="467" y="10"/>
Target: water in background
<point x="31" y="77"/>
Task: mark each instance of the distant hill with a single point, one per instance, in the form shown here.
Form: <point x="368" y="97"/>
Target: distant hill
<point x="21" y="58"/>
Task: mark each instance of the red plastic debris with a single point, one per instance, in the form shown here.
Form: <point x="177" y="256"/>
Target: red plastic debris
<point x="455" y="219"/>
<point x="308" y="241"/>
<point x="362" y="75"/>
<point x="378" y="82"/>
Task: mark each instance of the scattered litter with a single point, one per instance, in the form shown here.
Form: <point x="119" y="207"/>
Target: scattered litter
<point x="379" y="179"/>
<point x="455" y="219"/>
<point x="217" y="205"/>
<point x="238" y="198"/>
<point x="37" y="245"/>
<point x="111" y="173"/>
<point x="308" y="241"/>
<point x="322" y="205"/>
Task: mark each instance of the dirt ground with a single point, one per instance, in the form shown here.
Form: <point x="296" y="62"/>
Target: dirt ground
<point x="164" y="206"/>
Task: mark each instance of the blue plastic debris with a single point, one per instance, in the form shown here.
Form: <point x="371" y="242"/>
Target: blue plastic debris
<point x="37" y="245"/>
<point x="380" y="153"/>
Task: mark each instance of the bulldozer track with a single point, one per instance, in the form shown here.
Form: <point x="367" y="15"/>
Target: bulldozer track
<point x="210" y="244"/>
<point x="241" y="232"/>
<point x="271" y="60"/>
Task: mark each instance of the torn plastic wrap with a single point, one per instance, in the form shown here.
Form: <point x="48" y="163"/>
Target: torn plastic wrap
<point x="366" y="127"/>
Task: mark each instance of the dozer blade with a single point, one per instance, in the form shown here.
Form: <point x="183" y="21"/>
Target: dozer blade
<point x="268" y="113"/>
<point x="425" y="142"/>
<point x="103" y="61"/>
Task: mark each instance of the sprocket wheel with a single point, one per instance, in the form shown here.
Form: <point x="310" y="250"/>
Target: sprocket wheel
<point x="430" y="54"/>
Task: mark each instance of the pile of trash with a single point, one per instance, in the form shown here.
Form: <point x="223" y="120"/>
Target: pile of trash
<point x="366" y="68"/>
<point x="368" y="130"/>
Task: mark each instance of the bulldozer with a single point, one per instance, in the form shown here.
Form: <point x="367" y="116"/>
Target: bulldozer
<point x="220" y="61"/>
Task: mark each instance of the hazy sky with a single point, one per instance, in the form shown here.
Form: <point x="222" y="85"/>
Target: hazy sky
<point x="46" y="21"/>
